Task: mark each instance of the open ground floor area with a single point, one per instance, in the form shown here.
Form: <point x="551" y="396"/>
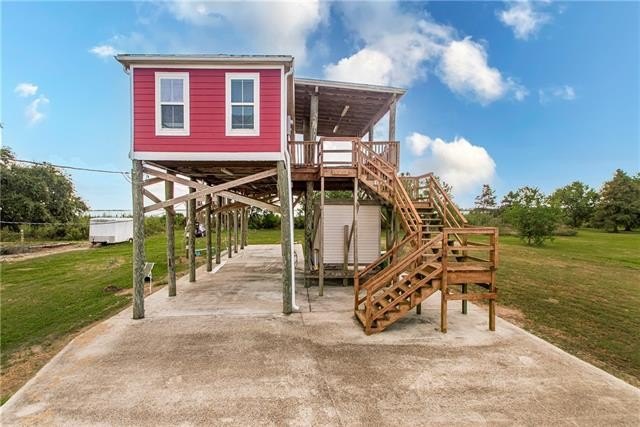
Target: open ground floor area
<point x="221" y="352"/>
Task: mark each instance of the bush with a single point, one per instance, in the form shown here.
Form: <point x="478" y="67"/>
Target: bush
<point x="154" y="225"/>
<point x="484" y="218"/>
<point x="535" y="224"/>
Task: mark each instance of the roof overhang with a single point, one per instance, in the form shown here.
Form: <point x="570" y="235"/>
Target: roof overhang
<point x="128" y="60"/>
<point x="344" y="109"/>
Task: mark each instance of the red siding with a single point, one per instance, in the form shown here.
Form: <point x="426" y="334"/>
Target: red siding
<point x="207" y="105"/>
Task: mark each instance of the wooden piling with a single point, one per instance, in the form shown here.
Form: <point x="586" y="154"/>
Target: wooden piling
<point x="207" y="222"/>
<point x="218" y="231"/>
<point x="241" y="216"/>
<point x="235" y="214"/>
<point x="308" y="233"/>
<point x="321" y="237"/>
<point x="229" y="236"/>
<point x="192" y="237"/>
<point x="171" y="239"/>
<point x="284" y="194"/>
<point x="138" y="239"/>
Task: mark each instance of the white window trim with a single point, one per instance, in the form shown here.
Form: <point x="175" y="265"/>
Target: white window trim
<point x="160" y="131"/>
<point x="256" y="104"/>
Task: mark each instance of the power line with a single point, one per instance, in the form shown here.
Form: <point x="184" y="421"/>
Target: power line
<point x="73" y="167"/>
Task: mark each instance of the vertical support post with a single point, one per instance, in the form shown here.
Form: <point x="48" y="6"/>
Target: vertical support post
<point x="313" y="116"/>
<point x="138" y="239"/>
<point x="218" y="230"/>
<point x="235" y="230"/>
<point x="321" y="236"/>
<point x="242" y="224"/>
<point x="229" y="237"/>
<point x="308" y="233"/>
<point x="493" y="257"/>
<point x="171" y="239"/>
<point x="345" y="256"/>
<point x="392" y="120"/>
<point x="245" y="222"/>
<point x="443" y="282"/>
<point x="192" y="237"/>
<point x="370" y="133"/>
<point x="464" y="301"/>
<point x="286" y="238"/>
<point x="419" y="308"/>
<point x="207" y="222"/>
<point x="356" y="208"/>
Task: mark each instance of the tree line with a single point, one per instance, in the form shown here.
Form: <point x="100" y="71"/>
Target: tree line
<point x="537" y="217"/>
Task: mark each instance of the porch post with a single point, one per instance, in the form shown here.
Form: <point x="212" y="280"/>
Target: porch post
<point x="284" y="194"/>
<point x="392" y="121"/>
<point x="171" y="239"/>
<point x="241" y="216"/>
<point x="138" y="239"/>
<point x="192" y="237"/>
<point x="207" y="221"/>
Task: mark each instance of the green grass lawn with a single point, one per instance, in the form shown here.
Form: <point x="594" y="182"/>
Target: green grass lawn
<point x="582" y="293"/>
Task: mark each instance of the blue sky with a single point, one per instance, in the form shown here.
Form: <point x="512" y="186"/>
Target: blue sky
<point x="509" y="94"/>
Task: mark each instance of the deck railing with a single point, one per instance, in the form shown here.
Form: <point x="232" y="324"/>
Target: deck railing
<point x="338" y="152"/>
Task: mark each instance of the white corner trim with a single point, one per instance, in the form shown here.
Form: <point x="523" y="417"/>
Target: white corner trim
<point x="256" y="104"/>
<point x="160" y="131"/>
<point x="268" y="156"/>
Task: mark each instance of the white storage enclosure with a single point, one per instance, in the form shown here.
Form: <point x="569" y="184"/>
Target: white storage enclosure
<point x="337" y="214"/>
<point x="110" y="230"/>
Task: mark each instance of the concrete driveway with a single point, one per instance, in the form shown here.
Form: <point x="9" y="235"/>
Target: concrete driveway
<point x="221" y="353"/>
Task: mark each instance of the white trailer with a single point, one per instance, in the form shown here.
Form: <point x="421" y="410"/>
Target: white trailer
<point x="110" y="230"/>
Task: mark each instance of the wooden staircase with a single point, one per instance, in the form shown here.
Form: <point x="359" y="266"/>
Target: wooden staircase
<point x="434" y="248"/>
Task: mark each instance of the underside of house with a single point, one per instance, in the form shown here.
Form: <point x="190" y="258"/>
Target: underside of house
<point x="347" y="185"/>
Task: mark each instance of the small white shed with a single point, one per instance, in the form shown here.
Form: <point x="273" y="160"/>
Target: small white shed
<point x="110" y="230"/>
<point x="337" y="214"/>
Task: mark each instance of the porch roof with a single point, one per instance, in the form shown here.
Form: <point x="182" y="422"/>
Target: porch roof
<point x="352" y="107"/>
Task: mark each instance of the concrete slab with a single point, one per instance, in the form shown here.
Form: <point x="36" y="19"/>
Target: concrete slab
<point x="221" y="353"/>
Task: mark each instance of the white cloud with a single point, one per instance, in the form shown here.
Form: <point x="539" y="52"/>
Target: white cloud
<point x="369" y="65"/>
<point x="104" y="51"/>
<point x="397" y="46"/>
<point x="26" y="89"/>
<point x="463" y="165"/>
<point x="271" y="27"/>
<point x="465" y="70"/>
<point x="400" y="47"/>
<point x="34" y="111"/>
<point x="524" y="18"/>
<point x="564" y="93"/>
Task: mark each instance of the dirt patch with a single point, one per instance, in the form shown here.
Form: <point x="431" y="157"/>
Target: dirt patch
<point x="24" y="364"/>
<point x="44" y="251"/>
<point x="511" y="315"/>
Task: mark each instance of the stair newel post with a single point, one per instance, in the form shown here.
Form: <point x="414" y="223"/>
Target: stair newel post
<point x="443" y="283"/>
<point x="465" y="240"/>
<point x="493" y="257"/>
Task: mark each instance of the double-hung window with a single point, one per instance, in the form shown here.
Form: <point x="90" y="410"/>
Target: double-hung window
<point x="172" y="104"/>
<point x="242" y="104"/>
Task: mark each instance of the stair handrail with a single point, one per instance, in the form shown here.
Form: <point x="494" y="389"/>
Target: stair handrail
<point x="393" y="269"/>
<point x="446" y="204"/>
<point x="389" y="253"/>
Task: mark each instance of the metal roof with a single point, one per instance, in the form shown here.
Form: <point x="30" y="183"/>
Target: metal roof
<point x="185" y="59"/>
<point x="352" y="107"/>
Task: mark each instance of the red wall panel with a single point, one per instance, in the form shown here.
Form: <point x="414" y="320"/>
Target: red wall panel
<point x="207" y="121"/>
